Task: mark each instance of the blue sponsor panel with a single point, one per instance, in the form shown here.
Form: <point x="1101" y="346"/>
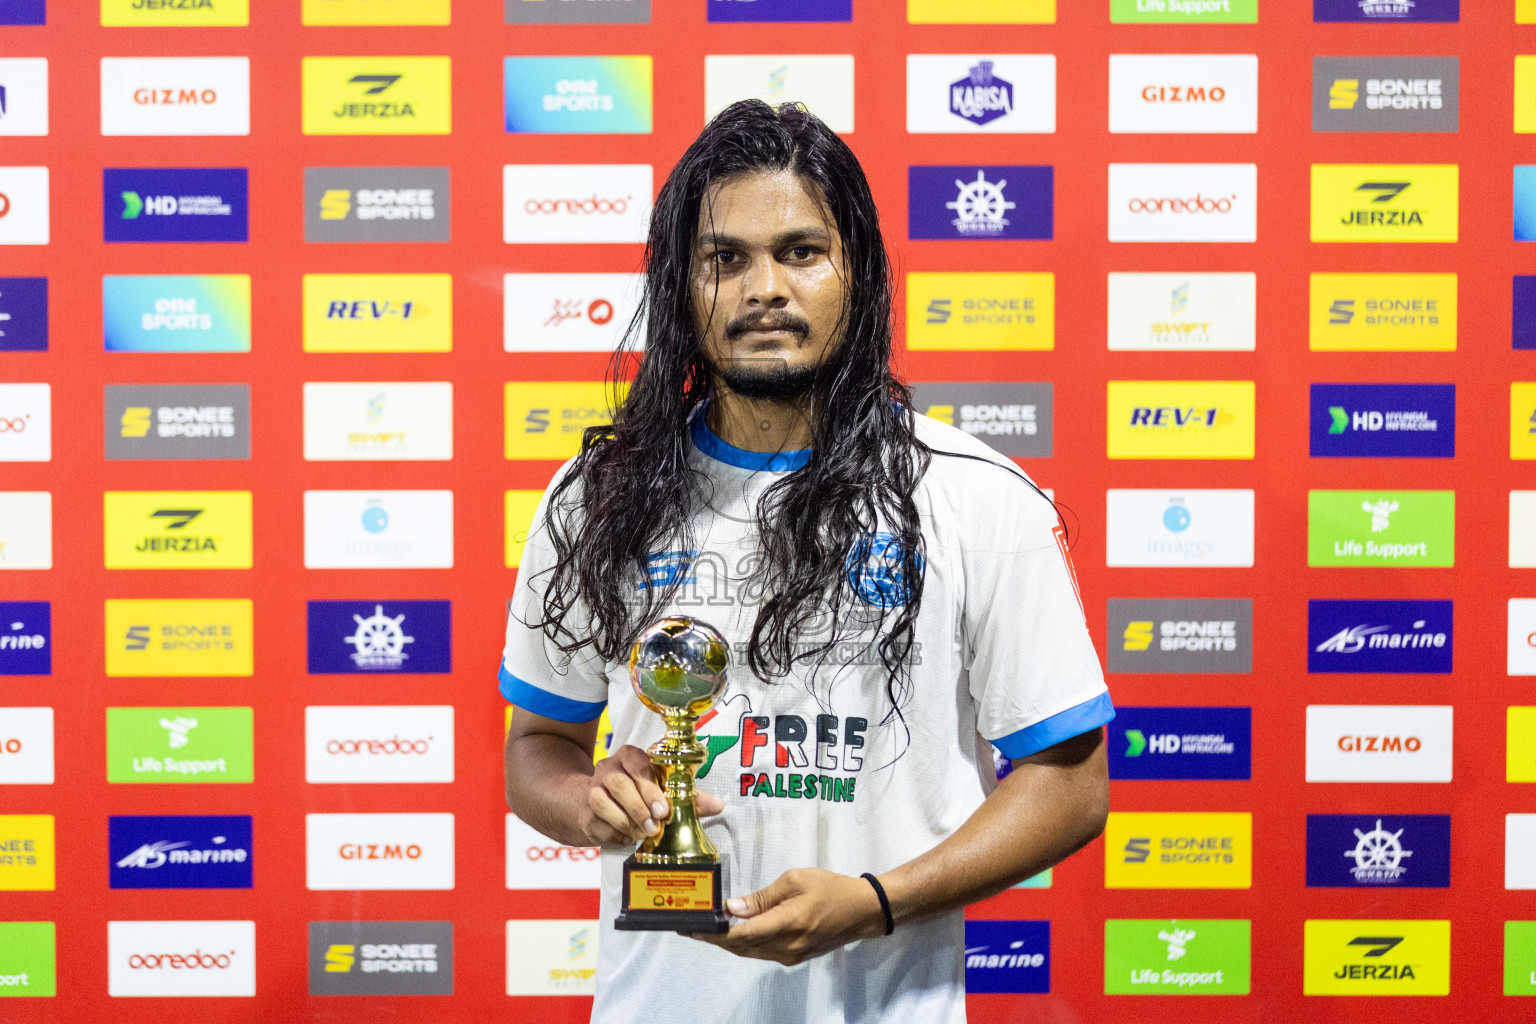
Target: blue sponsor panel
<point x="23" y="314"/>
<point x="180" y="851"/>
<point x="1379" y="851"/>
<point x="1007" y="956"/>
<point x="380" y="637"/>
<point x="1384" y="421"/>
<point x="1524" y="308"/>
<point x="174" y="204"/>
<point x="1525" y="202"/>
<point x="1379" y="636"/>
<point x="1386" y="10"/>
<point x="1181" y="743"/>
<point x="970" y="201"/>
<point x="176" y="312"/>
<point x="26" y="638"/>
<point x="780" y="10"/>
<point x="23" y="12"/>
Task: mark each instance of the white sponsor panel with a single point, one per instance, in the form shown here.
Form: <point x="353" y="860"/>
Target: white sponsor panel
<point x="378" y="851"/>
<point x="378" y="743"/>
<point x="1179" y="528"/>
<point x="23" y="206"/>
<point x="1002" y="93"/>
<point x="26" y="746"/>
<point x="1182" y="312"/>
<point x="378" y="421"/>
<point x="535" y="861"/>
<point x="1378" y="743"/>
<point x="181" y="958"/>
<point x="552" y="958"/>
<point x="1183" y="202"/>
<point x="575" y="202"/>
<point x="1522" y="529"/>
<point x="1522" y="637"/>
<point x="1520" y="851"/>
<point x="26" y="423"/>
<point x="1183" y="93"/>
<point x="823" y="82"/>
<point x="378" y="529"/>
<point x="567" y="312"/>
<point x="175" y="96"/>
<point x="25" y="81"/>
<point x="26" y="530"/>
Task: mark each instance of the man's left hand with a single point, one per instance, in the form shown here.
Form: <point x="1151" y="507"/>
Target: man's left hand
<point x="805" y="913"/>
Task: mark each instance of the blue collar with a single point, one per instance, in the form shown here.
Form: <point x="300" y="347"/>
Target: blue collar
<point x="708" y="442"/>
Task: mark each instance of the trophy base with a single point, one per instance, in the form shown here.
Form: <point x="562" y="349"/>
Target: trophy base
<point x="671" y="898"/>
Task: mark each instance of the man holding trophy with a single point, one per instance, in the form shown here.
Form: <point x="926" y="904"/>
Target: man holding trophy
<point x="820" y="611"/>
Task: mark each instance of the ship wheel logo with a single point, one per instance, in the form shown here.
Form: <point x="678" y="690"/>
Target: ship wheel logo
<point x="1378" y="855"/>
<point x="979" y="206"/>
<point x="379" y="640"/>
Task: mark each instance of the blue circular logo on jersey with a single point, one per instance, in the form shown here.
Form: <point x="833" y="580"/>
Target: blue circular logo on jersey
<point x="1176" y="518"/>
<point x="874" y="570"/>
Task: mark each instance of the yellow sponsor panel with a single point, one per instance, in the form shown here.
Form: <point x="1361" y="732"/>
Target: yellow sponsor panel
<point x="981" y="12"/>
<point x="26" y="851"/>
<point x="1525" y="12"/>
<point x="378" y="312"/>
<point x="1001" y="312"/>
<point x="377" y="95"/>
<point x="1382" y="313"/>
<point x="1181" y="419"/>
<point x="174" y="13"/>
<point x="1522" y="420"/>
<point x="1525" y="93"/>
<point x="1520" y="745"/>
<point x="179" y="637"/>
<point x="177" y="529"/>
<point x="1377" y="958"/>
<point x="545" y="420"/>
<point x="520" y="507"/>
<point x="375" y="12"/>
<point x="1384" y="202"/>
<point x="1157" y="850"/>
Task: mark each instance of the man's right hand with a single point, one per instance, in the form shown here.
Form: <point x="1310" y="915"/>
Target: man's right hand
<point x="625" y="805"/>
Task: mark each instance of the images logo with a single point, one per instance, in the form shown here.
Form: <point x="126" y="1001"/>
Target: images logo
<point x="1183" y="94"/>
<point x="23" y="206"/>
<point x="1378" y="851"/>
<point x="1184" y="11"/>
<point x="536" y="862"/>
<point x="379" y="851"/>
<point x="379" y="637"/>
<point x="1386" y="10"/>
<point x="375" y="12"/>
<point x="1172" y="528"/>
<point x="378" y="743"/>
<point x="23" y="314"/>
<point x="176" y="312"/>
<point x="181" y="958"/>
<point x="179" y="744"/>
<point x="23" y="94"/>
<point x="378" y="421"/>
<point x="183" y="852"/>
<point x="1382" y="312"/>
<point x="177" y="421"/>
<point x="26" y="423"/>
<point x="376" y="204"/>
<point x="1391" y="743"/>
<point x="552" y="958"/>
<point x="1379" y="636"/>
<point x="1181" y="743"/>
<point x="378" y="529"/>
<point x="568" y="312"/>
<point x="156" y="637"/>
<point x="780" y="10"/>
<point x="26" y="852"/>
<point x="377" y="95"/>
<point x="1181" y="419"/>
<point x="576" y="202"/>
<point x="1182" y="312"/>
<point x="1183" y="202"/>
<point x="1181" y="635"/>
<point x="174" y="13"/>
<point x="585" y="12"/>
<point x="27" y="958"/>
<point x="981" y="312"/>
<point x="1385" y="94"/>
<point x="1384" y="202"/>
<point x="1007" y="956"/>
<point x="989" y="202"/>
<point x="180" y="530"/>
<point x="997" y="93"/>
<point x="1178" y="851"/>
<point x="1377" y="958"/>
<point x="175" y="96"/>
<point x="1181" y="957"/>
<point x="577" y="95"/>
<point x="360" y="958"/>
<point x="545" y="420"/>
<point x="1384" y="420"/>
<point x="174" y="204"/>
<point x="822" y="82"/>
<point x="1013" y="419"/>
<point x="1381" y="528"/>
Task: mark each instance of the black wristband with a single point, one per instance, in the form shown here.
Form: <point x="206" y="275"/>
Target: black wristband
<point x="885" y="904"/>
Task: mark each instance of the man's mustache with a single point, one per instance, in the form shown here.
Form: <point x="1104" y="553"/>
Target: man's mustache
<point x="772" y="322"/>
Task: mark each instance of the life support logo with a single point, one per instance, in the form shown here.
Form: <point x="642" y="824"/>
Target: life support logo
<point x="875" y="571"/>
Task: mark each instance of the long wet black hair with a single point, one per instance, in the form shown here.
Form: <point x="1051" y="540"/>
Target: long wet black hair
<point x="629" y="492"/>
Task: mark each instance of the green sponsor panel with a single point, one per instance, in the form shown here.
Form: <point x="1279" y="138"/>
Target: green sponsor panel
<point x="1040" y="881"/>
<point x="1381" y="528"/>
<point x="1183" y="12"/>
<point x="26" y="958"/>
<point x="1520" y="958"/>
<point x="179" y="745"/>
<point x="1182" y="957"/>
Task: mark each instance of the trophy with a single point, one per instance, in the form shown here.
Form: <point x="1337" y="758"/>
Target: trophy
<point x="672" y="882"/>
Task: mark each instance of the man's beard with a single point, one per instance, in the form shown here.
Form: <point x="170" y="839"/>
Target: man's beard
<point x="767" y="379"/>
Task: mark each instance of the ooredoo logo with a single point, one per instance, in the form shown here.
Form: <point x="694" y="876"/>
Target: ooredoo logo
<point x="1194" y="204"/>
<point x="379" y="851"/>
<point x="181" y="958"/>
<point x="1182" y="202"/>
<point x="576" y="202"/>
<point x="534" y="861"/>
<point x="406" y="743"/>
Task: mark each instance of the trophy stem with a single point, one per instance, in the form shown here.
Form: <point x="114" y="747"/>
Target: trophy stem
<point x="677" y="756"/>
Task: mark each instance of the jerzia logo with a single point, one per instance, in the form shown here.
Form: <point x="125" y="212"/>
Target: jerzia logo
<point x="1384" y="202"/>
<point x="1364" y="958"/>
<point x="377" y="96"/>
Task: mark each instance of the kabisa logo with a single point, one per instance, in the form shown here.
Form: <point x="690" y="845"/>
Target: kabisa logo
<point x="23" y="93"/>
<point x="1181" y="635"/>
<point x="177" y="421"/>
<point x="1385" y="202"/>
<point x="1007" y="956"/>
<point x="380" y="637"/>
<point x="380" y="958"/>
<point x="202" y="744"/>
<point x="998" y="93"/>
<point x="989" y="202"/>
<point x="1181" y="743"/>
<point x="585" y="12"/>
<point x="182" y="852"/>
<point x="1379" y="636"/>
<point x="1155" y="850"/>
<point x="1379" y="851"/>
<point x="1377" y="958"/>
<point x="981" y="97"/>
<point x="1385" y="94"/>
<point x="837" y="751"/>
<point x="26" y="633"/>
<point x="174" y="13"/>
<point x="377" y="95"/>
<point x="577" y="95"/>
<point x="780" y="10"/>
<point x="181" y="958"/>
<point x="1375" y="528"/>
<point x="376" y="204"/>
<point x="1014" y="419"/>
<point x="876" y="569"/>
<point x="1382" y="312"/>
<point x="1179" y="957"/>
<point x="1183" y="202"/>
<point x="180" y="530"/>
<point x="1383" y="420"/>
<point x="23" y="314"/>
<point x="175" y="204"/>
<point x="1386" y="10"/>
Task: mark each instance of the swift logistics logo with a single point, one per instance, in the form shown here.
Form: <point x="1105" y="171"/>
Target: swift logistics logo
<point x="1183" y="12"/>
<point x="26" y="638"/>
<point x="380" y="637"/>
<point x="1383" y="421"/>
<point x="1183" y="635"/>
<point x="577" y="95"/>
<point x="1386" y="10"/>
<point x="177" y="421"/>
<point x="180" y="852"/>
<point x="175" y="96"/>
<point x="823" y="83"/>
<point x="378" y="312"/>
<point x="174" y="13"/>
<point x="28" y="962"/>
<point x="377" y="95"/>
<point x="582" y="12"/>
<point x="1014" y="419"/>
<point x="1154" y="312"/>
<point x="23" y="94"/>
<point x="1382" y="313"/>
<point x="378" y="421"/>
<point x="1375" y="851"/>
<point x="1007" y="956"/>
<point x="377" y="204"/>
<point x="1181" y="419"/>
<point x="375" y="12"/>
<point x="1179" y="528"/>
<point x="1385" y="202"/>
<point x="561" y="203"/>
<point x="779" y="10"/>
<point x="1183" y="93"/>
<point x="1181" y="743"/>
<point x="1187" y="957"/>
<point x="1379" y="636"/>
<point x="366" y="958"/>
<point x="26" y="852"/>
<point x="1381" y="528"/>
<point x="375" y="743"/>
<point x="23" y="314"/>
<point x="568" y="312"/>
<point x="993" y="93"/>
<point x="545" y="420"/>
<point x="1377" y="958"/>
<point x="534" y="861"/>
<point x="181" y="958"/>
<point x="980" y="202"/>
<point x="177" y="637"/>
<point x="1157" y="850"/>
<point x="378" y="529"/>
<point x="981" y="312"/>
<point x="552" y="957"/>
<point x="1183" y="202"/>
<point x="177" y="530"/>
<point x="176" y="312"/>
<point x="378" y="851"/>
<point x="183" y="744"/>
<point x="1379" y="743"/>
<point x="175" y="204"/>
<point x="1386" y="94"/>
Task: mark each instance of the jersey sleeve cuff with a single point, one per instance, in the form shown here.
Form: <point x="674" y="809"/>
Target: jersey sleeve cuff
<point x="541" y="702"/>
<point x="1063" y="725"/>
